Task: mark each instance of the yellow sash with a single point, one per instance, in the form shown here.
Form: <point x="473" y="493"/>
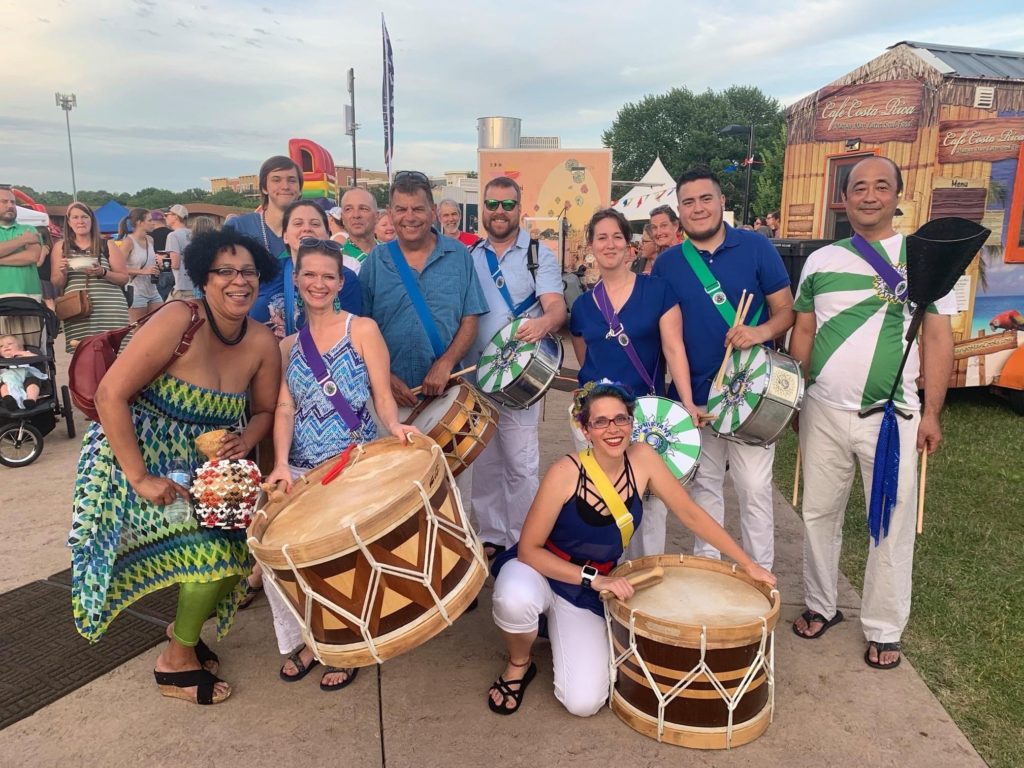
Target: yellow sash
<point x="611" y="497"/>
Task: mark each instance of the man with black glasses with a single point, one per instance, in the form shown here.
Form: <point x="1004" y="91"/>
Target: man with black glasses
<point x="520" y="279"/>
<point x="422" y="290"/>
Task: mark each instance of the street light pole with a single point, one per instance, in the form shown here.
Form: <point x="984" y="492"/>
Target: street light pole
<point x="67" y="102"/>
<point x="352" y="126"/>
<point x="739" y="130"/>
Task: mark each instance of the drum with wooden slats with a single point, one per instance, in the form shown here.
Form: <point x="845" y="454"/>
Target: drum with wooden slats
<point x="376" y="561"/>
<point x="694" y="654"/>
<point x="461" y="420"/>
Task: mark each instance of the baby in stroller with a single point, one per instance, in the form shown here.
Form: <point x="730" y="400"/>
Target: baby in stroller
<point x="19" y="384"/>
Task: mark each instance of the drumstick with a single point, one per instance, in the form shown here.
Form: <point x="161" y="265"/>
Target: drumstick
<point x="274" y="495"/>
<point x="648" y="577"/>
<point x="339" y="465"/>
<point x="741" y="316"/>
<point x="417" y="390"/>
<point x="920" y="490"/>
<point x="796" y="477"/>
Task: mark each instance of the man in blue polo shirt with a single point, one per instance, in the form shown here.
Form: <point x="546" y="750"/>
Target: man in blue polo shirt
<point x="735" y="260"/>
<point x="422" y="290"/>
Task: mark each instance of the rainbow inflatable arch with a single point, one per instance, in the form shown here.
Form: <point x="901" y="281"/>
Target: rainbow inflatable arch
<point x="318" y="174"/>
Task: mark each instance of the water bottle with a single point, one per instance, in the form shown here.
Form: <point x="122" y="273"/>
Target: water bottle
<point x="179" y="510"/>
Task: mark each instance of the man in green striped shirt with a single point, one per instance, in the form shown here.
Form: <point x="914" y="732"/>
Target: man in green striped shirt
<point x="848" y="337"/>
<point x="359" y="216"/>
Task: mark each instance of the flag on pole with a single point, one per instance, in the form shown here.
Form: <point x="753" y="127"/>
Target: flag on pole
<point x="388" y="98"/>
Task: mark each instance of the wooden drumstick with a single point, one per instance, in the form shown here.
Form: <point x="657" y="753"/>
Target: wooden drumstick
<point x="741" y="316"/>
<point x="920" y="490"/>
<point x="796" y="477"/>
<point x="456" y="374"/>
<point x="648" y="577"/>
<point x="274" y="494"/>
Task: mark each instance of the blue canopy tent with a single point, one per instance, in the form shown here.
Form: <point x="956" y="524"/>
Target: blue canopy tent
<point x="109" y="215"/>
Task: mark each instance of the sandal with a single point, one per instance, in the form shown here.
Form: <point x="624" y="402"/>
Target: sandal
<point x="205" y="655"/>
<point x="881" y="648"/>
<point x="173" y="685"/>
<point x="808" y="616"/>
<point x="352" y="672"/>
<point x="492" y="550"/>
<point x="251" y="593"/>
<point x="504" y="687"/>
<point x="295" y="659"/>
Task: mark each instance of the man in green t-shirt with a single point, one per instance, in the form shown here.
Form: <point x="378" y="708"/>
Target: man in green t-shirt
<point x="20" y="248"/>
<point x="359" y="216"/>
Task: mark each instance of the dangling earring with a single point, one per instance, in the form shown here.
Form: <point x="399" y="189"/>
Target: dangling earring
<point x="299" y="303"/>
<point x="337" y="304"/>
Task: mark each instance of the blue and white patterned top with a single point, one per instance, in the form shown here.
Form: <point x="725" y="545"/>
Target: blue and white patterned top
<point x="320" y="433"/>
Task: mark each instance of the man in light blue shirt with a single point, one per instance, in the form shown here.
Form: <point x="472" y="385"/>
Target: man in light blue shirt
<point x="442" y="272"/>
<point x="507" y="473"/>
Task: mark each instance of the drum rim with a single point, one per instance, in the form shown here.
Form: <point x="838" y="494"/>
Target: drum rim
<point x="682" y="475"/>
<point x="689" y="635"/>
<point x="538" y="357"/>
<point x="772" y="356"/>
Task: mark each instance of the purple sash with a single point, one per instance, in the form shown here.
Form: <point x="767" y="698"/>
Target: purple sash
<point x="885" y="270"/>
<point x="323" y="378"/>
<point x="617" y="331"/>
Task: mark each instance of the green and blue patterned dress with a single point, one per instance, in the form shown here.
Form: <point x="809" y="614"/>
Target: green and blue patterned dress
<point x="122" y="548"/>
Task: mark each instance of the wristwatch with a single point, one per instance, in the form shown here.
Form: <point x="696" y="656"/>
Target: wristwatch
<point x="587" y="575"/>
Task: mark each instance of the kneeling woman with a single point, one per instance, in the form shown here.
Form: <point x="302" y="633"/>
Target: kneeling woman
<point x="569" y="532"/>
<point x="310" y="426"/>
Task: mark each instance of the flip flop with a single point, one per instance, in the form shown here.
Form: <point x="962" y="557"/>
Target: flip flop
<point x="809" y="616"/>
<point x="352" y="672"/>
<point x="881" y="648"/>
<point x="295" y="659"/>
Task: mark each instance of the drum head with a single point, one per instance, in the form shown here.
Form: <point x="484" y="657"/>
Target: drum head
<point x="428" y="413"/>
<point x="666" y="426"/>
<point x="362" y="491"/>
<point x="504" y="359"/>
<point x="743" y="386"/>
<point x="699" y="597"/>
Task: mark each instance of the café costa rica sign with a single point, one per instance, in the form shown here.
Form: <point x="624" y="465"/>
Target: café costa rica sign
<point x="967" y="141"/>
<point x="872" y="112"/>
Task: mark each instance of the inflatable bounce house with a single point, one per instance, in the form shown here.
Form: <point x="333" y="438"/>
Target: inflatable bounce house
<point x="319" y="182"/>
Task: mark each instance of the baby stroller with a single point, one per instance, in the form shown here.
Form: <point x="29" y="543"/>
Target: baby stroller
<point x="21" y="430"/>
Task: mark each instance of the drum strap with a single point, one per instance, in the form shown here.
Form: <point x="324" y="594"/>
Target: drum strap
<point x="617" y="330"/>
<point x="287" y="267"/>
<point x="612" y="500"/>
<point x="494" y="267"/>
<point x="324" y="379"/>
<point x="712" y="287"/>
<point x="416" y="297"/>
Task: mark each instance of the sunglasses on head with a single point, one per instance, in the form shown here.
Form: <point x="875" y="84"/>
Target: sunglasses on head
<point x="413" y="176"/>
<point x="506" y="205"/>
<point x="316" y="242"/>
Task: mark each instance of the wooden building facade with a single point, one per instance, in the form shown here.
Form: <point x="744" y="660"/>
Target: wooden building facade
<point x="952" y="119"/>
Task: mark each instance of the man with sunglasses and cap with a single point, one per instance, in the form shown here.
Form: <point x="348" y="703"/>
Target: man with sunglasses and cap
<point x="423" y="293"/>
<point x="520" y="279"/>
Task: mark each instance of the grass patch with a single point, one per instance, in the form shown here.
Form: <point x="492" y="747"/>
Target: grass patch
<point x="966" y="630"/>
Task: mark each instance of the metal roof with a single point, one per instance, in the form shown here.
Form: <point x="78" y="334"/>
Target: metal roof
<point x="970" y="62"/>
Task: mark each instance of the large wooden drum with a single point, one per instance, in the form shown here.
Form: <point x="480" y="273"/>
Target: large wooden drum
<point x="461" y="421"/>
<point x="694" y="654"/>
<point x="376" y="561"/>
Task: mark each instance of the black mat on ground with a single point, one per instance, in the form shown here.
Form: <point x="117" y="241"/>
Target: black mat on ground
<point x="42" y="656"/>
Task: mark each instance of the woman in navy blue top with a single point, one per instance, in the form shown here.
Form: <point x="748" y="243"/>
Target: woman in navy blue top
<point x="570" y="542"/>
<point x="649" y="317"/>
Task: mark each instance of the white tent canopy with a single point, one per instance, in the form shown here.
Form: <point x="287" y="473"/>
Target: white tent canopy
<point x="32" y="218"/>
<point x="657" y="187"/>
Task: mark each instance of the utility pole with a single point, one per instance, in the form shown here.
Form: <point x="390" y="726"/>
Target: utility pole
<point x="350" y="127"/>
<point x="67" y="102"/>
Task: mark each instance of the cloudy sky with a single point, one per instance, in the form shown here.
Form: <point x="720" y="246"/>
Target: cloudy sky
<point x="172" y="93"/>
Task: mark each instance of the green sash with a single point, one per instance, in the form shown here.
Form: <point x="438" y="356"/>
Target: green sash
<point x="712" y="287"/>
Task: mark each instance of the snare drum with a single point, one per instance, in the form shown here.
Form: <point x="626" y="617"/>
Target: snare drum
<point x="377" y="561"/>
<point x="761" y="391"/>
<point x="517" y="373"/>
<point x="694" y="656"/>
<point x="460" y="420"/>
<point x="666" y="426"/>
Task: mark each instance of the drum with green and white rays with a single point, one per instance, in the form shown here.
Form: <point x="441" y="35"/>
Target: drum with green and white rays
<point x="504" y="359"/>
<point x="666" y="426"/>
<point x="744" y="384"/>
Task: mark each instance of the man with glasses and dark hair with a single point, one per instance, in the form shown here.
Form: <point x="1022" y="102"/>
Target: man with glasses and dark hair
<point x="664" y="227"/>
<point x="708" y="273"/>
<point x="280" y="186"/>
<point x="520" y="278"/>
<point x="422" y="290"/>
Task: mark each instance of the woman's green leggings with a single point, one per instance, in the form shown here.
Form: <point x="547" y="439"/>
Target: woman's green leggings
<point x="195" y="604"/>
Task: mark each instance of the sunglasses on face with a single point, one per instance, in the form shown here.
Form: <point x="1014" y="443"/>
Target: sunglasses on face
<point x="506" y="205"/>
<point x="603" y="422"/>
<point x="230" y="273"/>
<point x="316" y="242"/>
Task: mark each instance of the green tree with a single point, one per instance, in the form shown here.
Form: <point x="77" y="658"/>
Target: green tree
<point x="767" y="192"/>
<point x="151" y="197"/>
<point x="684" y="129"/>
<point x="230" y="197"/>
<point x="194" y="195"/>
<point x="380" y="194"/>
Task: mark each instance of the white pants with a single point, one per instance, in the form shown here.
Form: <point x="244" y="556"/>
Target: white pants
<point x="649" y="539"/>
<point x="750" y="467"/>
<point x="830" y="440"/>
<point x="579" y="638"/>
<point x="506" y="476"/>
<point x="286" y="626"/>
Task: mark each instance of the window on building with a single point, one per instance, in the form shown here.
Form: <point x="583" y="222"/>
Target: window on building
<point x="836" y="225"/>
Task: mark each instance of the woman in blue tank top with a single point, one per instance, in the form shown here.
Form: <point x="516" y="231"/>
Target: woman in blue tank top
<point x="570" y="542"/>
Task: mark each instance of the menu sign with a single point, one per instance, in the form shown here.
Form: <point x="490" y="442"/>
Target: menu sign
<point x="872" y="112"/>
<point x="967" y="141"/>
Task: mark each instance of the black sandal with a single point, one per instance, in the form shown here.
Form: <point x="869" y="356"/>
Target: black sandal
<point x="251" y="593"/>
<point x="497" y="549"/>
<point x="205" y="654"/>
<point x="881" y="648"/>
<point x="295" y="659"/>
<point x="352" y="672"/>
<point x="173" y="685"/>
<point x="504" y="687"/>
<point x="808" y="616"/>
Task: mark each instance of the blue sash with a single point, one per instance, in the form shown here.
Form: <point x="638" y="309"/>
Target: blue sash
<point x="499" y="282"/>
<point x="289" y="295"/>
<point x="416" y="297"/>
<point x="323" y="378"/>
<point x="883" y="268"/>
